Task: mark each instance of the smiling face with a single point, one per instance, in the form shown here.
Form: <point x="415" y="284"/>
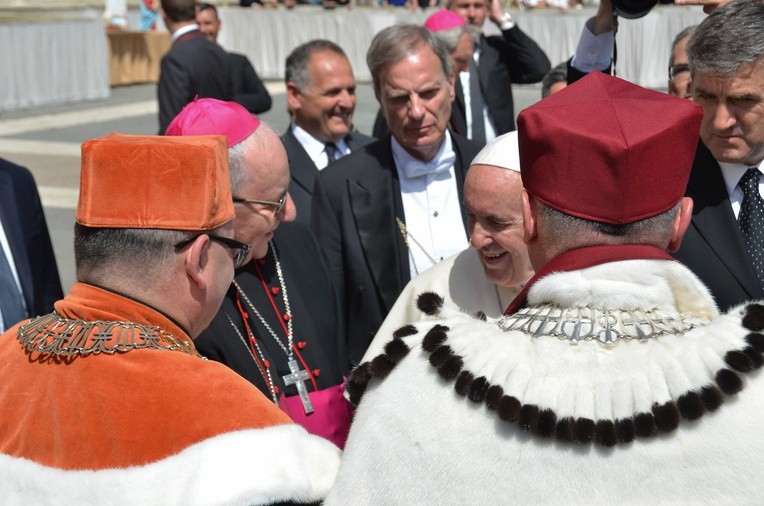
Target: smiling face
<point x="733" y="113"/>
<point x="492" y="199"/>
<point x="209" y="24"/>
<point x="267" y="178"/>
<point x="325" y="107"/>
<point x="415" y="97"/>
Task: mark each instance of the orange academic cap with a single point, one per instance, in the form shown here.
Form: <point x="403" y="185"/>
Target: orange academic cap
<point x="138" y="181"/>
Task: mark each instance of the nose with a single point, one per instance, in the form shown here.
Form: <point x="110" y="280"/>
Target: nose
<point x="724" y="117"/>
<point x="289" y="211"/>
<point x="416" y="107"/>
<point x="479" y="236"/>
<point x="347" y="100"/>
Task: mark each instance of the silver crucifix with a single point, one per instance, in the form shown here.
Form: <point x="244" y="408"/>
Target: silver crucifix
<point x="298" y="378"/>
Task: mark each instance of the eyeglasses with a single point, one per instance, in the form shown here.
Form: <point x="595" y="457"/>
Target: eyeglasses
<point x="679" y="68"/>
<point x="239" y="250"/>
<point x="277" y="206"/>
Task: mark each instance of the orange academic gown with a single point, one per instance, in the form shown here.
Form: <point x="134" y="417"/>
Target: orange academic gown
<point x="145" y="425"/>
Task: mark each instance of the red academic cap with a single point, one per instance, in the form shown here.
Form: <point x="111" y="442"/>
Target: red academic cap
<point x="209" y="116"/>
<point x="606" y="150"/>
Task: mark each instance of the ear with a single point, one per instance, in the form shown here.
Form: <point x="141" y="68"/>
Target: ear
<point x="530" y="231"/>
<point x="196" y="261"/>
<point x="681" y="223"/>
<point x="452" y="84"/>
<point x="292" y="93"/>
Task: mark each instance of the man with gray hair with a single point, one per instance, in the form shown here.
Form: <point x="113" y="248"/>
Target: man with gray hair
<point x="321" y="99"/>
<point x="725" y="242"/>
<point x="392" y="209"/>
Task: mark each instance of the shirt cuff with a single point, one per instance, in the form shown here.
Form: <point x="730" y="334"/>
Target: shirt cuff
<point x="593" y="52"/>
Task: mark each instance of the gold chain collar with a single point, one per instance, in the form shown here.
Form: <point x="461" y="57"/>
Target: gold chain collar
<point x="61" y="336"/>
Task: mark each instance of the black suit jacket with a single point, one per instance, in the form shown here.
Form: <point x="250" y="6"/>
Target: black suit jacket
<point x="27" y="232"/>
<point x="511" y="57"/>
<point x="248" y="89"/>
<point x="192" y="67"/>
<point x="713" y="247"/>
<point x="355" y="203"/>
<point x="303" y="171"/>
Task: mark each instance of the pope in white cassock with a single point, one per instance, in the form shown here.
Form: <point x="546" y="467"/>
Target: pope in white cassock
<point x="612" y="378"/>
<point x="486" y="276"/>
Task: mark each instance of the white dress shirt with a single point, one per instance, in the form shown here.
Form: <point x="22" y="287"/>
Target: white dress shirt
<point x="316" y="148"/>
<point x="433" y="217"/>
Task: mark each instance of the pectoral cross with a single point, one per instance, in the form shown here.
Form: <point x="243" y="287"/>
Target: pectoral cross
<point x="297" y="378"/>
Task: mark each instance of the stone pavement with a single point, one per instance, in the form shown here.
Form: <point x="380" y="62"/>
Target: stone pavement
<point x="47" y="141"/>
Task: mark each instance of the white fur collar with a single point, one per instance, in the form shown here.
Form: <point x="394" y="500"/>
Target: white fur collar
<point x="590" y="391"/>
<point x="629" y="285"/>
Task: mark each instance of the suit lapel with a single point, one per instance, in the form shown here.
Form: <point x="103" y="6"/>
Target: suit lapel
<point x="15" y="237"/>
<point x="302" y="169"/>
<point x="715" y="222"/>
<point x="353" y="142"/>
<point x="375" y="202"/>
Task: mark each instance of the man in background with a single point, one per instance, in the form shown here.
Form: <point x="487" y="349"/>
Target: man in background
<point x="29" y="282"/>
<point x="725" y="243"/>
<point x="498" y="61"/>
<point x="392" y="209"/>
<point x="247" y="88"/>
<point x="679" y="80"/>
<point x="194" y="65"/>
<point x="321" y="100"/>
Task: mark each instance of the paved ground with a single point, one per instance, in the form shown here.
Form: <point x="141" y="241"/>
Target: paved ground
<point x="47" y="141"/>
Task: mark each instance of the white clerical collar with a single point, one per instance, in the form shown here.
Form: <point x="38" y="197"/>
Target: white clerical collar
<point x="410" y="167"/>
<point x="316" y="147"/>
<point x="183" y="30"/>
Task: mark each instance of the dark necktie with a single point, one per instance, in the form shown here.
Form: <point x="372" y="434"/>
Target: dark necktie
<point x="476" y="104"/>
<point x="11" y="304"/>
<point x="751" y="220"/>
<point x="331" y="152"/>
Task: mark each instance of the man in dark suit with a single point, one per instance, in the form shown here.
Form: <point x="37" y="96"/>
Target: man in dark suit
<point x="392" y="209"/>
<point x="499" y="61"/>
<point x="194" y="66"/>
<point x="321" y="100"/>
<point x="724" y="245"/>
<point x="26" y="247"/>
<point x="248" y="89"/>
